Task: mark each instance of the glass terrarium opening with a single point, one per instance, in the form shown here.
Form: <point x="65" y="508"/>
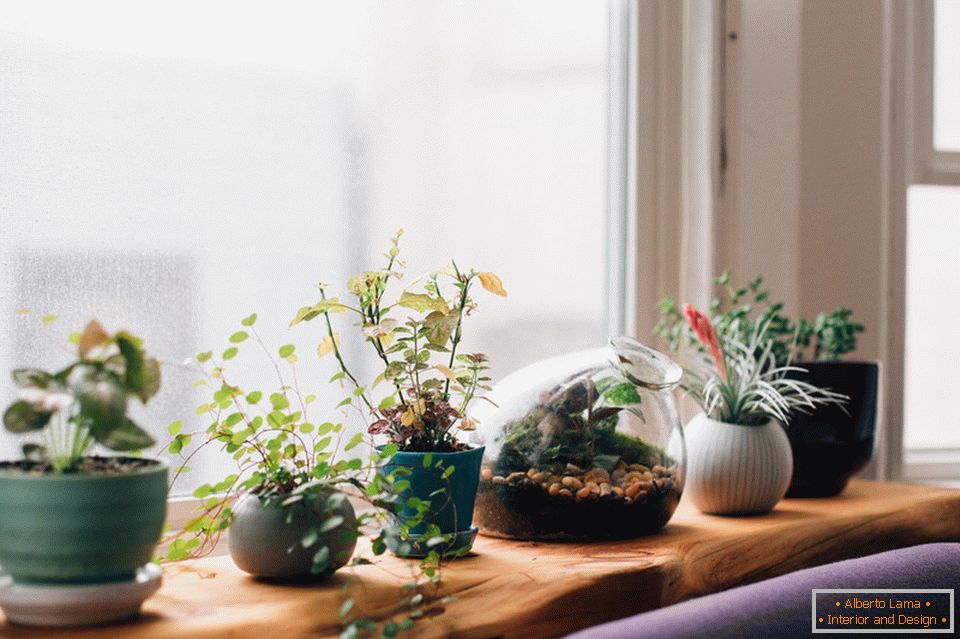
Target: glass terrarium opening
<point x="644" y="366"/>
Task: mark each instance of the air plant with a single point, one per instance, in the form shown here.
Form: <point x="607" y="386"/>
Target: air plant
<point x="741" y="382"/>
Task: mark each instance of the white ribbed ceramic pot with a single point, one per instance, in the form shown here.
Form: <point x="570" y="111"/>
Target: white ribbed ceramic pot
<point x="736" y="470"/>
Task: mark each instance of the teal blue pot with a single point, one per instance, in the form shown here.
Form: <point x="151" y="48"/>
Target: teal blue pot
<point x="80" y="528"/>
<point x="451" y="498"/>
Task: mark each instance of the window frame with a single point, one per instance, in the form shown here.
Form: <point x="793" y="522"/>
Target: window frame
<point x="929" y="164"/>
<point x="913" y="60"/>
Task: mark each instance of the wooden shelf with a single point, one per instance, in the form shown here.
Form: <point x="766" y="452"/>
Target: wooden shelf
<point x="530" y="590"/>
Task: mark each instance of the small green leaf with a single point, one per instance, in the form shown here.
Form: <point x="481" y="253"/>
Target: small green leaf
<point x="422" y="303"/>
<point x="230" y="353"/>
<point x="249" y="320"/>
<point x="354" y="441"/>
<point x="174" y="428"/>
<point x="389" y="451"/>
<point x="254" y="397"/>
<point x="279" y="401"/>
<point x="622" y="394"/>
<point x="204" y="356"/>
<point x="21" y="417"/>
<point x="287" y="350"/>
<point x="440" y="327"/>
<point x="331" y="523"/>
<point x="239" y="336"/>
<point x="427" y="459"/>
<point x="128" y="436"/>
<point x="310" y="537"/>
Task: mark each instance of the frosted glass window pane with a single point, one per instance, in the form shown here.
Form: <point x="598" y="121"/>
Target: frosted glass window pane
<point x="932" y="376"/>
<point x="171" y="175"/>
<point x="946" y="85"/>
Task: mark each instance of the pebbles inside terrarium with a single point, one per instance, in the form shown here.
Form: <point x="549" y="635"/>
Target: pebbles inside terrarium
<point x="583" y="446"/>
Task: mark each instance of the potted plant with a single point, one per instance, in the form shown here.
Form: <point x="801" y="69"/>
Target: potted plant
<point x="287" y="508"/>
<point x="416" y="337"/>
<point x="287" y="515"/>
<point x="830" y="442"/>
<point x="76" y="526"/>
<point x="739" y="459"/>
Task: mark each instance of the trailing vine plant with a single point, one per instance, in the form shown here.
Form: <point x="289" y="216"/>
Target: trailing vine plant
<point x="282" y="448"/>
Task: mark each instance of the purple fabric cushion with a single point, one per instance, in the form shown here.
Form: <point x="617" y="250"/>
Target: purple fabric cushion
<point x="780" y="607"/>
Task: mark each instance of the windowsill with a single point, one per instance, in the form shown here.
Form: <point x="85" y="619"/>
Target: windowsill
<point x="935" y="466"/>
<point x="546" y="590"/>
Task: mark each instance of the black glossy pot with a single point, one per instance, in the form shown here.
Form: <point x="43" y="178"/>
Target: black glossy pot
<point x="832" y="443"/>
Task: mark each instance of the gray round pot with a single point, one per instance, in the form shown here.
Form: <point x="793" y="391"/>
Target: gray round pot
<point x="266" y="538"/>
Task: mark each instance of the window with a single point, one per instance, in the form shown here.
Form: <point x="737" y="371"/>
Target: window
<point x="931" y="429"/>
<point x="171" y="170"/>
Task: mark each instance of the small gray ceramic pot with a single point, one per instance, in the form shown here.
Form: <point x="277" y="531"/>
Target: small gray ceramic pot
<point x="265" y="544"/>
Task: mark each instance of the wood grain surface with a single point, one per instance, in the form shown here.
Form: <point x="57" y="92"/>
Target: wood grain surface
<point x="529" y="590"/>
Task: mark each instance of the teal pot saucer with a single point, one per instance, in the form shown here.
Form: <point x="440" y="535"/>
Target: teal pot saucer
<point x="460" y="544"/>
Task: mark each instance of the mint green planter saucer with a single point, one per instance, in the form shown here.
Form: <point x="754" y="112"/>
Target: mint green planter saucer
<point x="62" y="605"/>
<point x="80" y="528"/>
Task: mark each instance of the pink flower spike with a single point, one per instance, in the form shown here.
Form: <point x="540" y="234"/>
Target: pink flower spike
<point x="705" y="332"/>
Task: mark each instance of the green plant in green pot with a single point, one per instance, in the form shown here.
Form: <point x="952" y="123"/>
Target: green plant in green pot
<point x="68" y="517"/>
<point x="832" y="442"/>
<point x="416" y="336"/>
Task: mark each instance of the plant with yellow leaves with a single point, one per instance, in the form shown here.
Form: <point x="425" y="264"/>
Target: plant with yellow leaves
<point x="416" y="337"/>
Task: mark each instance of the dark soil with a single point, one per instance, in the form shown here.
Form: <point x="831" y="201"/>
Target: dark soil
<point x="89" y="466"/>
<point x="526" y="511"/>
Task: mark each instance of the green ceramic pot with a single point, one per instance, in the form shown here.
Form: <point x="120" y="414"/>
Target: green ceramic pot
<point x="77" y="528"/>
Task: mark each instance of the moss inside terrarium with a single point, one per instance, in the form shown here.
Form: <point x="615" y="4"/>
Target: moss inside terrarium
<point x="576" y="425"/>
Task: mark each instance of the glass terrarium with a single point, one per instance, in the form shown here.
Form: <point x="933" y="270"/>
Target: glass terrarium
<point x="583" y="446"/>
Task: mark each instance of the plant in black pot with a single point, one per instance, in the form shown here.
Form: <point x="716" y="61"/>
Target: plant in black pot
<point x="77" y="531"/>
<point x="416" y="338"/>
<point x="832" y="442"/>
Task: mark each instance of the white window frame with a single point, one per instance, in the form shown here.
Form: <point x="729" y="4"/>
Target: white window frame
<point x="913" y="60"/>
<point x="930" y="165"/>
